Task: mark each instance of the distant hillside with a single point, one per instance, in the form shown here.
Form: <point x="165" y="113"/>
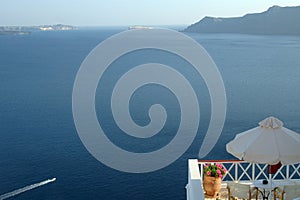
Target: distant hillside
<point x="22" y="30"/>
<point x="275" y="21"/>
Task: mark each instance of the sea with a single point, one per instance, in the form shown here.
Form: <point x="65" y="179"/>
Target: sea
<point x="39" y="140"/>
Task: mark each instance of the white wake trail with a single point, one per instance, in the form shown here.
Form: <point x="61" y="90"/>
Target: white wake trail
<point x="24" y="189"/>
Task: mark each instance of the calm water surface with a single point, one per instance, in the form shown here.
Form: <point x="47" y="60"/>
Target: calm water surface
<point x="39" y="140"/>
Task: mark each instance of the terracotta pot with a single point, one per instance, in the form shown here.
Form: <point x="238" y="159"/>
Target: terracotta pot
<point x="212" y="186"/>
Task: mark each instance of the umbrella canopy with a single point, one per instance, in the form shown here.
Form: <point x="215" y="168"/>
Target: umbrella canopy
<point x="270" y="143"/>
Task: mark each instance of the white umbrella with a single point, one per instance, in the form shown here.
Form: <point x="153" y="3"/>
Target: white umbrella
<point x="270" y="143"/>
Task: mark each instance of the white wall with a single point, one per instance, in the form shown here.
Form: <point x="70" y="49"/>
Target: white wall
<point x="194" y="189"/>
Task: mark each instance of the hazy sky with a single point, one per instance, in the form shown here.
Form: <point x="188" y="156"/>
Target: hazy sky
<point x="126" y="12"/>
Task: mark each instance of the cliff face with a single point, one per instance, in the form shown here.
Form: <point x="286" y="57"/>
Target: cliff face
<point x="275" y="21"/>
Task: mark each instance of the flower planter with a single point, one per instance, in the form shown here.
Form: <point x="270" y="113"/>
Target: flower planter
<point x="212" y="186"/>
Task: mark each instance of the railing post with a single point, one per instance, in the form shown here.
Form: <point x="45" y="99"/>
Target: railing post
<point x="253" y="171"/>
<point x="201" y="171"/>
<point x="236" y="172"/>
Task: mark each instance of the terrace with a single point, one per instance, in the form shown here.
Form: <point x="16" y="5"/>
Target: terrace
<point x="241" y="172"/>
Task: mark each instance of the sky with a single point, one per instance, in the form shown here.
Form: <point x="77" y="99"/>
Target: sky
<point x="127" y="12"/>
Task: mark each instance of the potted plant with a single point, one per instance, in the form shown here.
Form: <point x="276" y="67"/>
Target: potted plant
<point x="213" y="174"/>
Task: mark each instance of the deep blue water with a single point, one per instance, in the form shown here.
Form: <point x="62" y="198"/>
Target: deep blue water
<point x="38" y="136"/>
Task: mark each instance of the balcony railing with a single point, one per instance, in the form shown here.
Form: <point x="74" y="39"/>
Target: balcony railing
<point x="240" y="171"/>
<point x="245" y="171"/>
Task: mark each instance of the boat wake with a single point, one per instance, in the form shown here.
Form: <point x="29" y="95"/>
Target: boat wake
<point x="24" y="189"/>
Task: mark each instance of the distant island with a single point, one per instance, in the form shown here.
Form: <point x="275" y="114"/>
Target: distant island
<point x="139" y="27"/>
<point x="275" y="21"/>
<point x="23" y="30"/>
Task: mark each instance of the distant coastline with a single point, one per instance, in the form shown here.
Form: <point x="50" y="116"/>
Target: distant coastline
<point x="139" y="27"/>
<point x="11" y="32"/>
<point x="25" y="30"/>
<point x="275" y="21"/>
